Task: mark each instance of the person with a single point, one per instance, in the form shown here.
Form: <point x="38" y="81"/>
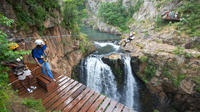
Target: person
<point x="176" y="15"/>
<point x="172" y="15"/>
<point x="20" y="69"/>
<point x="131" y="37"/>
<point x="40" y="57"/>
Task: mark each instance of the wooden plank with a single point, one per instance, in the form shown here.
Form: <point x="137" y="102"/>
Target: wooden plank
<point x="111" y="106"/>
<point x="104" y="105"/>
<point x="64" y="81"/>
<point x="119" y="107"/>
<point x="59" y="82"/>
<point x="90" y="102"/>
<point x="81" y="103"/>
<point x="63" y="98"/>
<point x="47" y="78"/>
<point x="23" y="92"/>
<point x="74" y="102"/>
<point x="68" y="100"/>
<point x="21" y="88"/>
<point x="96" y="104"/>
<point x="60" y="91"/>
<point x="58" y="96"/>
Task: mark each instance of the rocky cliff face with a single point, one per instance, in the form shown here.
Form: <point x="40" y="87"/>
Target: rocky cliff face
<point x="169" y="73"/>
<point x="64" y="52"/>
<point x="170" y="79"/>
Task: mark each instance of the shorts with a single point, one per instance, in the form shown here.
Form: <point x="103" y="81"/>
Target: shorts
<point x="23" y="76"/>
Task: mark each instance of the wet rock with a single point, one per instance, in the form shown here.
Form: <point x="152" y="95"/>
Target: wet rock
<point x="113" y="57"/>
<point x="116" y="64"/>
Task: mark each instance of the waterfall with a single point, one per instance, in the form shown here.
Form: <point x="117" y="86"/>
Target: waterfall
<point x="130" y="91"/>
<point x="100" y="77"/>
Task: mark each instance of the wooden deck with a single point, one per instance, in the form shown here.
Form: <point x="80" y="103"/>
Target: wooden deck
<point x="69" y="96"/>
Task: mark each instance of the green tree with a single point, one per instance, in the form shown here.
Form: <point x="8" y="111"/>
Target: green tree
<point x="74" y="11"/>
<point x="113" y="13"/>
<point x="5" y="55"/>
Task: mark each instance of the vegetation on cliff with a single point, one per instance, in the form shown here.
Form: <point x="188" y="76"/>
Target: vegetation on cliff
<point x="116" y="14"/>
<point x="33" y="12"/>
<point x="73" y="12"/>
<point x="7" y="95"/>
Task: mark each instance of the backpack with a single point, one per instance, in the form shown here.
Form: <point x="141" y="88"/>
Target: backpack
<point x="32" y="53"/>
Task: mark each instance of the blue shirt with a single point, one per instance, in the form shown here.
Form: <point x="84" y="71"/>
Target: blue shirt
<point x="38" y="52"/>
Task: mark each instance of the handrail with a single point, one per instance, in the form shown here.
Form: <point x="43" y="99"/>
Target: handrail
<point x="29" y="38"/>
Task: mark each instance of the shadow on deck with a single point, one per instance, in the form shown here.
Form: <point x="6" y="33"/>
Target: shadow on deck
<point x="68" y="96"/>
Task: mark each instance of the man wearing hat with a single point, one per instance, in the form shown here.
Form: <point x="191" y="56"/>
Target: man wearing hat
<point x="41" y="58"/>
<point x="131" y="37"/>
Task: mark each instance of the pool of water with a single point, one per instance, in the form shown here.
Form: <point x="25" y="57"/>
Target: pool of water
<point x="97" y="35"/>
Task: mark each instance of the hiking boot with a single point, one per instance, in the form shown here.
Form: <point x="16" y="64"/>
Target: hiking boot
<point x="33" y="87"/>
<point x="29" y="90"/>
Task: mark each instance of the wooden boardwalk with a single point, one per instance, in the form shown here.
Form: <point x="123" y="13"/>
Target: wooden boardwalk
<point x="69" y="96"/>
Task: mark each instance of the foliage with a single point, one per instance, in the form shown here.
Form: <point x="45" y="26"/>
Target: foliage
<point x="149" y="70"/>
<point x="116" y="14"/>
<point x="135" y="8"/>
<point x="143" y="59"/>
<point x="6" y="55"/>
<point x="155" y="110"/>
<point x="69" y="16"/>
<point x="34" y="104"/>
<point x="74" y="11"/>
<point x="159" y="22"/>
<point x="34" y="13"/>
<point x="178" y="79"/>
<point x="85" y="45"/>
<point x="144" y="80"/>
<point x="180" y="51"/>
<point x="190" y="14"/>
<point x="119" y="75"/>
<point x="174" y="79"/>
<point x="197" y="81"/>
<point x="198" y="89"/>
<point x="113" y="13"/>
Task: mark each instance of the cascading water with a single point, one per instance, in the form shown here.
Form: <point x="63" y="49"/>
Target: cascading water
<point x="130" y="90"/>
<point x="99" y="77"/>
